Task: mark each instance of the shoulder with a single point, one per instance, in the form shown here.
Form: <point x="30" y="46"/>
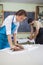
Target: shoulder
<point x="9" y="17"/>
<point x="7" y="20"/>
<point x="36" y="22"/>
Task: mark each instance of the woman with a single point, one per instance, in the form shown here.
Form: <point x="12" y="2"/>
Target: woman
<point x="10" y="26"/>
<point x="36" y="31"/>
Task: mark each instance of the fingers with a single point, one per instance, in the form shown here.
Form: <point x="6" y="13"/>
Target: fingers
<point x="20" y="46"/>
<point x="16" y="48"/>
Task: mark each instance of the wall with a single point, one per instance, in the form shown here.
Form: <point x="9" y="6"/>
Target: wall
<point x="8" y="6"/>
<point x="24" y="27"/>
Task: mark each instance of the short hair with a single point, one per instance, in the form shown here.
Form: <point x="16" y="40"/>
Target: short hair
<point x="21" y="12"/>
<point x="30" y="20"/>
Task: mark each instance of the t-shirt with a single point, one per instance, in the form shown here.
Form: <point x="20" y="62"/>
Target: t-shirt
<point x="8" y="22"/>
<point x="37" y="25"/>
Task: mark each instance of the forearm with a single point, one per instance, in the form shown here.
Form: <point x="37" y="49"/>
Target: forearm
<point x="31" y="36"/>
<point x="35" y="34"/>
<point x="10" y="40"/>
<point x="31" y="33"/>
<point x="15" y="38"/>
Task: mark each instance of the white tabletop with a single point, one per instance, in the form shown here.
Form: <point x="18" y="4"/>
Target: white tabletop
<point x="26" y="57"/>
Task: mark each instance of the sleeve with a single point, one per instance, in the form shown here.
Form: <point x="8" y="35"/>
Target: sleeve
<point x="8" y="26"/>
<point x="16" y="29"/>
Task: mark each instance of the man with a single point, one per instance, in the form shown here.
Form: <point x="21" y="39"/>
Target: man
<point x="36" y="30"/>
<point x="10" y="26"/>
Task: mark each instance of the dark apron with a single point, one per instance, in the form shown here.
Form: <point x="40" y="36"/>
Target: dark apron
<point x="39" y="38"/>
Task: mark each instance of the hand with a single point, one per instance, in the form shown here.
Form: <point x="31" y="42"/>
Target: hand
<point x="30" y="38"/>
<point x="20" y="46"/>
<point x="15" y="48"/>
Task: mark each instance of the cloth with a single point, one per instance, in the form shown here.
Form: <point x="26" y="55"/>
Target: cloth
<point x="37" y="25"/>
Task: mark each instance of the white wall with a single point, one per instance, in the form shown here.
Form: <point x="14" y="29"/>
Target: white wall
<point x="8" y="6"/>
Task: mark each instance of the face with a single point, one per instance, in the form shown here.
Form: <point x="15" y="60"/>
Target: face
<point x="21" y="18"/>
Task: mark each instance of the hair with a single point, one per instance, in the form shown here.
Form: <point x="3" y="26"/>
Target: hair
<point x="21" y="12"/>
<point x="30" y="20"/>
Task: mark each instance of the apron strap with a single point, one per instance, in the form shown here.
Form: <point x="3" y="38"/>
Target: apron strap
<point x="13" y="26"/>
<point x="13" y="19"/>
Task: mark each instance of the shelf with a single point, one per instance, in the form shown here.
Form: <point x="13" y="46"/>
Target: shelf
<point x="39" y="12"/>
<point x="1" y="14"/>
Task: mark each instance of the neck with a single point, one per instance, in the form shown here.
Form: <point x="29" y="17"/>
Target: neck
<point x="16" y="18"/>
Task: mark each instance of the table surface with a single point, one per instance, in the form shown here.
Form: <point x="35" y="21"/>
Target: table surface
<point x="34" y="57"/>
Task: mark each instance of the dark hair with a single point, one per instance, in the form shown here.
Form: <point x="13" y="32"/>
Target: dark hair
<point x="30" y="20"/>
<point x="21" y="12"/>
